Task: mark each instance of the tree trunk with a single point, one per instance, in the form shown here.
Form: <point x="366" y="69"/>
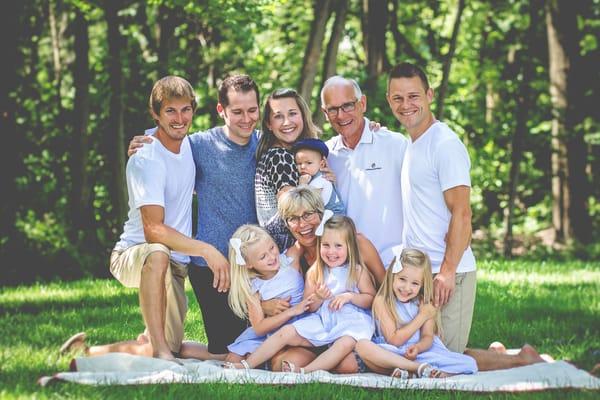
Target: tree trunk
<point x="570" y="186"/>
<point x="81" y="210"/>
<point x="402" y="45"/>
<point x="329" y="63"/>
<point x="56" y="61"/>
<point x="441" y="96"/>
<point x="524" y="104"/>
<point x="116" y="130"/>
<point x="166" y="24"/>
<point x="310" y="64"/>
<point x="374" y="25"/>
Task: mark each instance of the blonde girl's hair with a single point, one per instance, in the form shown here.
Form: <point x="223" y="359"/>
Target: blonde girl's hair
<point x="240" y="291"/>
<point x="355" y="262"/>
<point x="267" y="138"/>
<point x="385" y="295"/>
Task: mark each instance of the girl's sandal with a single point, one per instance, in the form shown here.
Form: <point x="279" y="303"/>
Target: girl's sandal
<point x="230" y="365"/>
<point x="288" y="366"/>
<point x="427" y="371"/>
<point x="400" y="373"/>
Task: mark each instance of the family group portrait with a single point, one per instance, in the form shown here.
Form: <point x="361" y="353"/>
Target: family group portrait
<point x="295" y="199"/>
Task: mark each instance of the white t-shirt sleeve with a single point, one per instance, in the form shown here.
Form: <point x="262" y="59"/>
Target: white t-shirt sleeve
<point x="452" y="164"/>
<point x="147" y="181"/>
<point x="324" y="185"/>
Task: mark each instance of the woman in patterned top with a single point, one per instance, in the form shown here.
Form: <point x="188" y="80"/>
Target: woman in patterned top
<point x="286" y="119"/>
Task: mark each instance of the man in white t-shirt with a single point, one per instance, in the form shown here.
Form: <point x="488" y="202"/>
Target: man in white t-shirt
<point x="366" y="164"/>
<point x="153" y="251"/>
<point x="436" y="190"/>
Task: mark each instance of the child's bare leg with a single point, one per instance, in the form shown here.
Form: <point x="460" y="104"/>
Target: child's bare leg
<point x="283" y="337"/>
<point x="198" y="351"/>
<point x="382" y="361"/>
<point x="348" y="365"/>
<point x="299" y="356"/>
<point x="333" y="355"/>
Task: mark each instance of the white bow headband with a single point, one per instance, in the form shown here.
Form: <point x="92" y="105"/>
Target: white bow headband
<point x="397" y="251"/>
<point x="235" y="244"/>
<point x="326" y="217"/>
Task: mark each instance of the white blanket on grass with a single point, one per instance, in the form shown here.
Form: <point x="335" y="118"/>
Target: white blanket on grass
<point x="126" y="369"/>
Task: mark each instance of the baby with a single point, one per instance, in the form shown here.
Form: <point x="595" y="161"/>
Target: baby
<point x="310" y="156"/>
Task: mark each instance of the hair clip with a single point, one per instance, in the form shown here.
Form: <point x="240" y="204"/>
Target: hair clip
<point x="236" y="244"/>
<point x="326" y="217"/>
<point x="397" y="251"/>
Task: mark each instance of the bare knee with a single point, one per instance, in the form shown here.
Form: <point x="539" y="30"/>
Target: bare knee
<point x="362" y="346"/>
<point x="156" y="263"/>
<point x="347" y="343"/>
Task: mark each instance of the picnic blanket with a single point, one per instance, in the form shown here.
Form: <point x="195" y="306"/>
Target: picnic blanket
<point x="126" y="369"/>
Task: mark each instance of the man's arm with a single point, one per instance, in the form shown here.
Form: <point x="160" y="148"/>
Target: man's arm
<point x="155" y="231"/>
<point x="457" y="240"/>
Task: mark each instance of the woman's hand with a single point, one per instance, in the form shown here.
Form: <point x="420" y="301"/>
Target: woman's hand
<point x="275" y="306"/>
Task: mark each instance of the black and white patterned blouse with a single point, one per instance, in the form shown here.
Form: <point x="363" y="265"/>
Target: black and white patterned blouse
<point x="275" y="170"/>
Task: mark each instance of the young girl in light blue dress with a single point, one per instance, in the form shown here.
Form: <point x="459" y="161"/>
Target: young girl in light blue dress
<point x="340" y="290"/>
<point x="259" y="273"/>
<point x="407" y="322"/>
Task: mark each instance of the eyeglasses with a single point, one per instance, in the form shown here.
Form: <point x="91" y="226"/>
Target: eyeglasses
<point x="306" y="217"/>
<point x="346" y="107"/>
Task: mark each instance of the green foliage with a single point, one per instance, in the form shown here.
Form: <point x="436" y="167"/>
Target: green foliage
<point x="267" y="39"/>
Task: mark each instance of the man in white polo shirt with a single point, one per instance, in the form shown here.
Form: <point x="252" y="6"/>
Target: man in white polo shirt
<point x="367" y="165"/>
<point x="436" y="188"/>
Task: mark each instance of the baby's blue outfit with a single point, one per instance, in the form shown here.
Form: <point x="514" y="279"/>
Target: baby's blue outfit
<point x="287" y="282"/>
<point x="325" y="326"/>
<point x="335" y="203"/>
<point x="437" y="356"/>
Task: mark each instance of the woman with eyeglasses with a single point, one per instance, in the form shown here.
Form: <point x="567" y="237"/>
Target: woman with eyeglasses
<point x="286" y="119"/>
<point x="301" y="208"/>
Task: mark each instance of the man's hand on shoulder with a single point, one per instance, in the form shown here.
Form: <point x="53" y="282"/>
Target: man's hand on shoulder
<point x="137" y="142"/>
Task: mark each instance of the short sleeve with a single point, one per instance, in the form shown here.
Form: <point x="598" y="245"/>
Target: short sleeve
<point x="146" y="180"/>
<point x="282" y="169"/>
<point x="452" y="164"/>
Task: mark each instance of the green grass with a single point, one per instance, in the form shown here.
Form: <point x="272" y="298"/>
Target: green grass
<point x="553" y="306"/>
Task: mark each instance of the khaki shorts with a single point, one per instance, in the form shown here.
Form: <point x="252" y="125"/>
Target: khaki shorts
<point x="127" y="266"/>
<point x="457" y="314"/>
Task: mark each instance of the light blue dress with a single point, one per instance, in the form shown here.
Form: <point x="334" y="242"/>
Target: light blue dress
<point x="325" y="326"/>
<point x="438" y="355"/>
<point x="288" y="282"/>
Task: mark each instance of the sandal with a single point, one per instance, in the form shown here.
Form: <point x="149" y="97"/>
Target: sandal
<point x="73" y="344"/>
<point x="288" y="366"/>
<point x="231" y="365"/>
<point x="427" y="371"/>
<point x="400" y="373"/>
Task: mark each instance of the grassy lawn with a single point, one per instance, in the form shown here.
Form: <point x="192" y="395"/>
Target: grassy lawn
<point x="553" y="306"/>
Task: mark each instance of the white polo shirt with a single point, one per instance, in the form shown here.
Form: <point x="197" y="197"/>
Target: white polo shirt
<point x="435" y="162"/>
<point x="368" y="181"/>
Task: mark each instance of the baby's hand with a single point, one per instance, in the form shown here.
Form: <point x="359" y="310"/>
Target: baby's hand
<point x="304" y="179"/>
<point x="412" y="352"/>
<point x="428" y="310"/>
<point x="302" y="307"/>
<point x="323" y="292"/>
<point x="339" y="301"/>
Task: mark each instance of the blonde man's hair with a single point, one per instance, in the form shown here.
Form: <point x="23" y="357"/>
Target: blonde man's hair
<point x="240" y="292"/>
<point x="386" y="297"/>
<point x="171" y="87"/>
